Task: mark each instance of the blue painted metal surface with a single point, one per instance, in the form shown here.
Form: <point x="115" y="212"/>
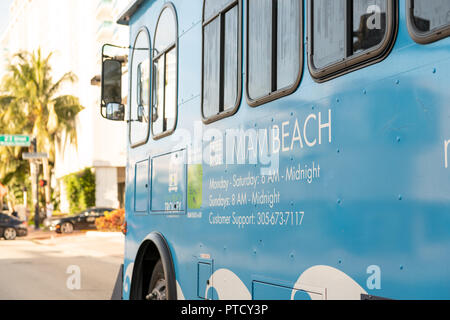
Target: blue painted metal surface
<point x="168" y="192"/>
<point x="371" y="190"/>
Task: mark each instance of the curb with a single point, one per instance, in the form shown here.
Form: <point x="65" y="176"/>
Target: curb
<point x="31" y="236"/>
<point x="98" y="234"/>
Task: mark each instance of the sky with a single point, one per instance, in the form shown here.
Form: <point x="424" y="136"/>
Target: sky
<point x="4" y="14"/>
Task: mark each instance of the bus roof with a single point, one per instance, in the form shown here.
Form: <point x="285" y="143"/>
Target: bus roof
<point x="131" y="9"/>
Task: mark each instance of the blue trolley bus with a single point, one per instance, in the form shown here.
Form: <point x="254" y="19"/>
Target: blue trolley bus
<point x="285" y="149"/>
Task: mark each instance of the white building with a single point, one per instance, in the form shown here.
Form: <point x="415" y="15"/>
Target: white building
<point x="75" y="31"/>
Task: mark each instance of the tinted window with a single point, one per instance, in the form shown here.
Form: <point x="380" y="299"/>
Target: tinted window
<point x="329" y="31"/>
<point x="211" y="69"/>
<point x="165" y="73"/>
<point x="213" y="7"/>
<point x="221" y="56"/>
<point x="337" y="38"/>
<point x="140" y="88"/>
<point x="112" y="80"/>
<point x="143" y="91"/>
<point x="430" y="15"/>
<point x="259" y="48"/>
<point x="288" y="43"/>
<point x="274" y="47"/>
<point x="369" y="24"/>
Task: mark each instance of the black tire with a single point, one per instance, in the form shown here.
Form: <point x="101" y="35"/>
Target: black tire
<point x="67" y="227"/>
<point x="10" y="234"/>
<point x="157" y="289"/>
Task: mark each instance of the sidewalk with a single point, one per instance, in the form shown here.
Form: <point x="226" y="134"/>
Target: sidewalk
<point x="45" y="234"/>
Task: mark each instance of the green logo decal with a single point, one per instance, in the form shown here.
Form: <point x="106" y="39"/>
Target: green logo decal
<point x="195" y="186"/>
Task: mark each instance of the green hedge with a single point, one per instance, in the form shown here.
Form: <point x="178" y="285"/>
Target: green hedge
<point x="80" y="190"/>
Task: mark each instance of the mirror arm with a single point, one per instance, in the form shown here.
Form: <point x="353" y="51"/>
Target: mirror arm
<point x="135" y="120"/>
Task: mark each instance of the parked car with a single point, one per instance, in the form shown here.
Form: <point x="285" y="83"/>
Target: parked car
<point x="85" y="220"/>
<point x="4" y="209"/>
<point x="11" y="227"/>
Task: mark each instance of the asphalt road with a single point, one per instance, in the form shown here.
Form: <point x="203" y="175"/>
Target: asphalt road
<point x="81" y="267"/>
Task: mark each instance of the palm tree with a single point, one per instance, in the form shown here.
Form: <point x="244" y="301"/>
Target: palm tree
<point x="30" y="105"/>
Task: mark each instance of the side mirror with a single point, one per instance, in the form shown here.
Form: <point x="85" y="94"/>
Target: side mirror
<point x="115" y="111"/>
<point x="112" y="90"/>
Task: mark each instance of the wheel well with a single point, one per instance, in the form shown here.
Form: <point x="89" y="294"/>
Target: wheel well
<point x="146" y="259"/>
<point x="151" y="251"/>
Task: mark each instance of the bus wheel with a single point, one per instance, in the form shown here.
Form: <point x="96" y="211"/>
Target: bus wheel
<point x="157" y="289"/>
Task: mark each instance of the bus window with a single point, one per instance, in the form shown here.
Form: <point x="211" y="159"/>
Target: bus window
<point x="346" y="33"/>
<point x="369" y="24"/>
<point x="140" y="89"/>
<point x="428" y="21"/>
<point x="165" y="73"/>
<point x="274" y="49"/>
<point x="221" y="58"/>
<point x="329" y="31"/>
<point x="143" y="91"/>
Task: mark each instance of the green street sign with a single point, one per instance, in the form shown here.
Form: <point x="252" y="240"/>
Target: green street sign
<point x="7" y="140"/>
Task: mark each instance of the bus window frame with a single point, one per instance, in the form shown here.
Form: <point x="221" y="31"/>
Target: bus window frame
<point x="283" y="92"/>
<point x="130" y="94"/>
<point x="423" y="37"/>
<point x="217" y="15"/>
<point x="173" y="46"/>
<point x="357" y="61"/>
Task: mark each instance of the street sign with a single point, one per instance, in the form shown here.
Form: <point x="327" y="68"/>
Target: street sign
<point x="7" y="140"/>
<point x="34" y="156"/>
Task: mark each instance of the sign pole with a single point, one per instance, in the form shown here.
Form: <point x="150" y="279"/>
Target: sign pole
<point x="36" y="208"/>
<point x="7" y="140"/>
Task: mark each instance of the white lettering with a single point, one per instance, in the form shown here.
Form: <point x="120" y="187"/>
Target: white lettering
<point x="323" y="126"/>
<point x="309" y="144"/>
<point x="284" y="135"/>
<point x="296" y="136"/>
<point x="193" y="310"/>
<point x="276" y="139"/>
<point x="446" y="153"/>
<point x="213" y="152"/>
<point x="235" y="146"/>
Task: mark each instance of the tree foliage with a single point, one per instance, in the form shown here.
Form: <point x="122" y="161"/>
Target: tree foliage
<point x="80" y="188"/>
<point x="30" y="104"/>
<point x="112" y="221"/>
